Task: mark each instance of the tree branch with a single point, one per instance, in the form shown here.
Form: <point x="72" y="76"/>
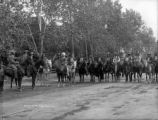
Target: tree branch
<point x="32" y="38"/>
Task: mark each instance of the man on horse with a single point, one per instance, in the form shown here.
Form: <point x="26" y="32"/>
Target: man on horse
<point x="108" y="58"/>
<point x="25" y="56"/>
<point x="63" y="58"/>
<point x="31" y="61"/>
<point x="100" y="69"/>
<point x="12" y="62"/>
<point x="71" y="69"/>
<point x="116" y="59"/>
<point x="149" y="58"/>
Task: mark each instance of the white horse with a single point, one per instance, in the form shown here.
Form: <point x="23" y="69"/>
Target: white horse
<point x="44" y="71"/>
<point x="71" y="70"/>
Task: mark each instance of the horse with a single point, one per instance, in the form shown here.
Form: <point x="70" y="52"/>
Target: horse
<point x="97" y="71"/>
<point x="61" y="70"/>
<point x="82" y="70"/>
<point x="71" y="72"/>
<point x="137" y="69"/>
<point x="100" y="72"/>
<point x="127" y="71"/>
<point x="108" y="69"/>
<point x="43" y="71"/>
<point x="1" y="80"/>
<point x="91" y="69"/>
<point x="149" y="70"/>
<point x="116" y="70"/>
<point x="7" y="71"/>
<point x="31" y="67"/>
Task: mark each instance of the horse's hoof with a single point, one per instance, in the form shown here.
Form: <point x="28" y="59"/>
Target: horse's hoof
<point x="20" y="90"/>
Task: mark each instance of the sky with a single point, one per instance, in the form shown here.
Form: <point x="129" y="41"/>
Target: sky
<point x="148" y="10"/>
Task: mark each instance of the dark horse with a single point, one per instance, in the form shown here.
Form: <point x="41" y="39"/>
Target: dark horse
<point x="82" y="70"/>
<point x="108" y="69"/>
<point x="96" y="69"/>
<point x="61" y="71"/>
<point x="31" y="68"/>
<point x="156" y="71"/>
<point x="6" y="71"/>
<point x="127" y="70"/>
<point x="91" y="70"/>
<point x="137" y="69"/>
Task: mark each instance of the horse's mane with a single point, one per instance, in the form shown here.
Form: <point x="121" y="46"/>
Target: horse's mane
<point x="39" y="62"/>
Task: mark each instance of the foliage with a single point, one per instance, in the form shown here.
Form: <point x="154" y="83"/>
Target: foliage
<point x="83" y="26"/>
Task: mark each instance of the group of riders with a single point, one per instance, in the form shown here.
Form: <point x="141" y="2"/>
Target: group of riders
<point x="128" y="65"/>
<point x="16" y="65"/>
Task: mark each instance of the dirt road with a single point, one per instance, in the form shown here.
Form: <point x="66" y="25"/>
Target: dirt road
<point x="82" y="102"/>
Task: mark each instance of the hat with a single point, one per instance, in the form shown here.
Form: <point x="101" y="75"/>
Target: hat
<point x="26" y="51"/>
<point x="63" y="54"/>
<point x="31" y="53"/>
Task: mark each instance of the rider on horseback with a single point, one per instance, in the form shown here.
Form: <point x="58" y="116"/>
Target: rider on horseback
<point x="12" y="62"/>
<point x="63" y="58"/>
<point x="25" y="56"/>
<point x="149" y="58"/>
<point x="116" y="59"/>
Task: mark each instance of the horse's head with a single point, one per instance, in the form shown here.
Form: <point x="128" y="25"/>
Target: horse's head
<point x="39" y="62"/>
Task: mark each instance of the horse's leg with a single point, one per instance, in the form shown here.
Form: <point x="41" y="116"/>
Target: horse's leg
<point x="73" y="77"/>
<point x="33" y="80"/>
<point x="139" y="77"/>
<point x="83" y="78"/>
<point x="70" y="79"/>
<point x="146" y="77"/>
<point x="90" y="77"/>
<point x="134" y="76"/>
<point x="109" y="77"/>
<point x="58" y="80"/>
<point x="112" y="76"/>
<point x="130" y="77"/>
<point x="126" y="75"/>
<point x="80" y="77"/>
<point x="1" y="83"/>
<point x="156" y="78"/>
<point x="39" y="77"/>
<point x="62" y="80"/>
<point x="11" y="85"/>
<point x="140" y="74"/>
<point x="16" y="82"/>
<point x="19" y="84"/>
